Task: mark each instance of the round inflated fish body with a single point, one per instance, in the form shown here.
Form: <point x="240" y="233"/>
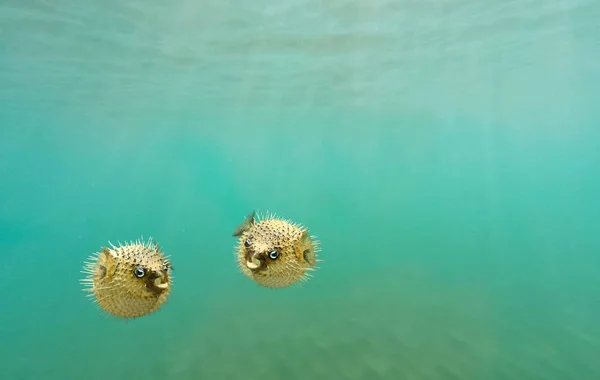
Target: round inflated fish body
<point x="275" y="252"/>
<point x="129" y="281"/>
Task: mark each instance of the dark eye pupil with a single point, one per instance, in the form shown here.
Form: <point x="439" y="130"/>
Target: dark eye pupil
<point x="247" y="243"/>
<point x="139" y="272"/>
<point x="274" y="254"/>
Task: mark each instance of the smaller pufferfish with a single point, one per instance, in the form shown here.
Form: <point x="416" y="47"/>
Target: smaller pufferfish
<point x="274" y="252"/>
<point x="130" y="280"/>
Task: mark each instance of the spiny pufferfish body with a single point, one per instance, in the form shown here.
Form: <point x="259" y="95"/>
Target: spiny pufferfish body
<point x="129" y="281"/>
<point x="274" y="252"/>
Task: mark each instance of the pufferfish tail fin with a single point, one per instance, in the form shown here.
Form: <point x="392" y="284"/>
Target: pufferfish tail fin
<point x="245" y="225"/>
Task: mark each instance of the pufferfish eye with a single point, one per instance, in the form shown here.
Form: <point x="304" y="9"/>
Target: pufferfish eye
<point x="139" y="271"/>
<point x="273" y="254"/>
<point x="247" y="243"/>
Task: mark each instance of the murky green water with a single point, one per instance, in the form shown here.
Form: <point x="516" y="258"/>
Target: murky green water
<point x="445" y="153"/>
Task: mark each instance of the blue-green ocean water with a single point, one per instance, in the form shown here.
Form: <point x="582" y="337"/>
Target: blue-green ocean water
<point x="445" y="153"/>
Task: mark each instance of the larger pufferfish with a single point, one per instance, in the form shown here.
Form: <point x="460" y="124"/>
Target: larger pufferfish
<point x="129" y="281"/>
<point x="274" y="252"/>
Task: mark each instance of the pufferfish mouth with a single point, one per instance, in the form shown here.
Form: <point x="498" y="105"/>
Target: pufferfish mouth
<point x="253" y="262"/>
<point x="159" y="281"/>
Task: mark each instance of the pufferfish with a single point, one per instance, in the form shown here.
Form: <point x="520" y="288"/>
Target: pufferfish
<point x="130" y="280"/>
<point x="274" y="252"/>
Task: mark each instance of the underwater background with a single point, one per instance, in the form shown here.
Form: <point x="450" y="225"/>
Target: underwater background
<point x="445" y="153"/>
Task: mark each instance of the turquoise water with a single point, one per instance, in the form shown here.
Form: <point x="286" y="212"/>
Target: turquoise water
<point x="445" y="153"/>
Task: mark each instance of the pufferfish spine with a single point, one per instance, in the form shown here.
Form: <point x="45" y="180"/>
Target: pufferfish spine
<point x="275" y="252"/>
<point x="129" y="280"/>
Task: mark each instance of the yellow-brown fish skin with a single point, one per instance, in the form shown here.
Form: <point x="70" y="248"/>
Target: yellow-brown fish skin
<point x="129" y="281"/>
<point x="274" y="252"/>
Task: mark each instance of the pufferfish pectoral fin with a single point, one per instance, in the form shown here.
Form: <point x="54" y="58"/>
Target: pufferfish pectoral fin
<point x="246" y="224"/>
<point x="307" y="248"/>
